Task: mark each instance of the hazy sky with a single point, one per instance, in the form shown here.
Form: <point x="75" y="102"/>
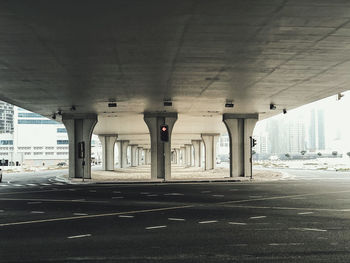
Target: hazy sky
<point x="337" y="120"/>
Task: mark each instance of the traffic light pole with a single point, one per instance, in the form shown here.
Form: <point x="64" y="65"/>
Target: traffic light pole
<point x="251" y="157"/>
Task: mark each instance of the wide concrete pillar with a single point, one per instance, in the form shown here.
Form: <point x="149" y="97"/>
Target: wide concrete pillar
<point x="197" y="152"/>
<point x="108" y="142"/>
<point x="188" y="160"/>
<point x="79" y="128"/>
<point x="210" y="140"/>
<point x="160" y="151"/>
<point x="178" y="162"/>
<point x="134" y="158"/>
<point x="240" y="127"/>
<point x="183" y="155"/>
<point x="139" y="155"/>
<point x="123" y="154"/>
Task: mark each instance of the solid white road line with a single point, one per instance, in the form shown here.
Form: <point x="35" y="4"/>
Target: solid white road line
<point x="305" y="213"/>
<point x="126" y="216"/>
<point x="79" y="236"/>
<point x="307" y="229"/>
<point x="237" y="223"/>
<point x="117" y="197"/>
<point x="94" y="216"/>
<point x="176" y="219"/>
<point x="257" y="217"/>
<point x="208" y="222"/>
<point x="4" y="185"/>
<point x="18" y="185"/>
<point x="154" y="227"/>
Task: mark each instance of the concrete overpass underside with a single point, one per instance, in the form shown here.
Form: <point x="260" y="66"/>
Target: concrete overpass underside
<point x="77" y="60"/>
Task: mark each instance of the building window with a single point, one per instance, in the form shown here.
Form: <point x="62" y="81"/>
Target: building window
<point x="27" y="153"/>
<point x="62" y="141"/>
<point x="38" y="153"/>
<point x="38" y="148"/>
<point x="29" y="115"/>
<point x="62" y="153"/>
<point x="49" y="148"/>
<point x="6" y="142"/>
<point x="49" y="153"/>
<point x="37" y="122"/>
<point x="61" y="130"/>
<point x="24" y="148"/>
<point x="62" y="148"/>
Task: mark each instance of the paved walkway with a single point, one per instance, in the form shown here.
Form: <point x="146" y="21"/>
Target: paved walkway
<point x="179" y="174"/>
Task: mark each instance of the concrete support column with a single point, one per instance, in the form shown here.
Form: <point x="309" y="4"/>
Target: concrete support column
<point x="133" y="155"/>
<point x="160" y="151"/>
<point x="147" y="156"/>
<point x="188" y="160"/>
<point x="119" y="150"/>
<point x="197" y="152"/>
<point x="178" y="156"/>
<point x="183" y="155"/>
<point x="210" y="141"/>
<point x="139" y="155"/>
<point x="240" y="127"/>
<point x="123" y="156"/>
<point x="108" y="142"/>
<point x="79" y="128"/>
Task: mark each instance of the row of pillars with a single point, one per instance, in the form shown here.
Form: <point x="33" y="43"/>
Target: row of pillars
<point x="80" y="127"/>
<point x="108" y="142"/>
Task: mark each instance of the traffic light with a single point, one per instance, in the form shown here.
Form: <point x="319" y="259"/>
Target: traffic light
<point x="253" y="142"/>
<point x="164" y="133"/>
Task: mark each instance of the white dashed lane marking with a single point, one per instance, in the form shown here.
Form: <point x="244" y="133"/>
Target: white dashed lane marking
<point x="44" y="184"/>
<point x="18" y="185"/>
<point x="126" y="216"/>
<point x="152" y="195"/>
<point x="208" y="222"/>
<point x="154" y="227"/>
<point x="286" y="244"/>
<point x="37" y="212"/>
<point x="117" y="192"/>
<point x="1" y="211"/>
<point x="31" y="184"/>
<point x="174" y="194"/>
<point x="4" y="185"/>
<point x="205" y="192"/>
<point x="80" y="214"/>
<point x="34" y="203"/>
<point x="305" y="213"/>
<point x="79" y="236"/>
<point x="117" y="197"/>
<point x="176" y="219"/>
<point x="257" y="217"/>
<point x="237" y="223"/>
<point x="218" y="195"/>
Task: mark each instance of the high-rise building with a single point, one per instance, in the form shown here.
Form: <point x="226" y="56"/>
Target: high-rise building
<point x="296" y="136"/>
<point x="316" y="131"/>
<point x="6" y="117"/>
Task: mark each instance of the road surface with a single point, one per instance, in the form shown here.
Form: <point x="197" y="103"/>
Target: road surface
<point x="304" y="219"/>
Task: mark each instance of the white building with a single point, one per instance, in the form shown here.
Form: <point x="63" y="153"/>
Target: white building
<point x="37" y="141"/>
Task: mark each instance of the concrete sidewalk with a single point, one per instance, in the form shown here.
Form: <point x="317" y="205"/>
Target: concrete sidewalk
<point x="142" y="174"/>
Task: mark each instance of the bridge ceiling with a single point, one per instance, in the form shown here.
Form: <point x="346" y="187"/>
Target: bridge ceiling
<point x="138" y="53"/>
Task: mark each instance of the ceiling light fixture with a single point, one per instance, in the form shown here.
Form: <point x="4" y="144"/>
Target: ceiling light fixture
<point x="272" y="106"/>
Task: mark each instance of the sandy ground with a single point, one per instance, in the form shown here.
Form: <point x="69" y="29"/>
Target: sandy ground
<point x="179" y="173"/>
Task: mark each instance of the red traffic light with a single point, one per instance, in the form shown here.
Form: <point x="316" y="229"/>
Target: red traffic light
<point x="164" y="133"/>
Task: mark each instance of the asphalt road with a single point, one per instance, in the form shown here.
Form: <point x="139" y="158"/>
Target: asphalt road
<point x="304" y="219"/>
